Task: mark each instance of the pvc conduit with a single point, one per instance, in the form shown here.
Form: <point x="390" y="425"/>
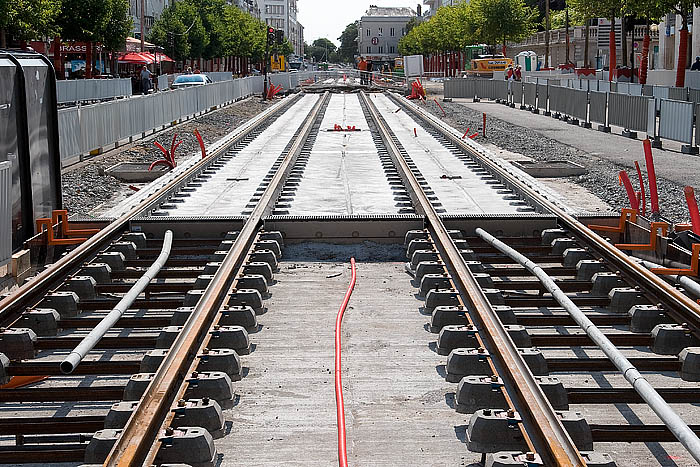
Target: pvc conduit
<point x="73" y="359"/>
<point x="340" y="407"/>
<point x="670" y="418"/>
<point x="687" y="283"/>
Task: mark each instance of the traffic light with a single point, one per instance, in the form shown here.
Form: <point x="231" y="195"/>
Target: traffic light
<point x="270" y="35"/>
<point x="280" y="37"/>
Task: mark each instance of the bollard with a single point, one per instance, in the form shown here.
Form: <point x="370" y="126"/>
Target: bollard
<point x="484" y="125"/>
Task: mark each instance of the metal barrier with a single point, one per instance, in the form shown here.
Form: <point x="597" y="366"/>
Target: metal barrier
<point x="542" y="96"/>
<point x="629" y="112"/>
<point x="5" y="212"/>
<point x="676" y="121"/>
<point x="694" y="96"/>
<point x="88" y="128"/>
<point x="460" y="87"/>
<point x="678" y="94"/>
<point x="219" y="76"/>
<point x="598" y="107"/>
<point x="576" y="103"/>
<point x="530" y="94"/>
<point x="518" y="93"/>
<point x="83" y="90"/>
<point x="500" y="89"/>
<point x="557" y="99"/>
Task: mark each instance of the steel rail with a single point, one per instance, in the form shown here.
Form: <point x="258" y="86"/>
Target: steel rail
<point x="684" y="308"/>
<point x="645" y="390"/>
<point x="73" y="359"/>
<point x="139" y="443"/>
<point x="543" y="428"/>
<point x="12" y="306"/>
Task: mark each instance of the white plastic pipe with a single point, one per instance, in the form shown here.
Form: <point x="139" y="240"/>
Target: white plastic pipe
<point x="670" y="418"/>
<point x="90" y="341"/>
<point x="686" y="282"/>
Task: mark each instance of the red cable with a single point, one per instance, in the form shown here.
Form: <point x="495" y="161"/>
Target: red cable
<point x="342" y="448"/>
<point x="693" y="209"/>
<point x="651" y="175"/>
<point x="641" y="187"/>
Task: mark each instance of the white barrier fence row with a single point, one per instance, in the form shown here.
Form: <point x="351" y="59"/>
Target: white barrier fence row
<point x="83" y="90"/>
<point x="89" y="128"/>
<point x="627" y="106"/>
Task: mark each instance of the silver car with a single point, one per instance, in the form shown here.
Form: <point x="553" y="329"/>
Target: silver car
<point x="186" y="81"/>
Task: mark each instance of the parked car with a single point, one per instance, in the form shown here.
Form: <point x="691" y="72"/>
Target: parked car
<point x="187" y="81"/>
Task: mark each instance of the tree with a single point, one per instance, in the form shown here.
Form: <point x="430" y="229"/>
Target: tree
<point x="84" y="20"/>
<point x="27" y="19"/>
<point x="503" y="20"/>
<point x="170" y="33"/>
<point x="348" y="43"/>
<point x="684" y="8"/>
<point x="651" y="11"/>
<point x="118" y="25"/>
<point x="586" y="9"/>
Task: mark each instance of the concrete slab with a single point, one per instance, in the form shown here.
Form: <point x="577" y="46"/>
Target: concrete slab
<point x="458" y="188"/>
<point x="395" y="400"/>
<point x="230" y="188"/>
<point x="338" y="161"/>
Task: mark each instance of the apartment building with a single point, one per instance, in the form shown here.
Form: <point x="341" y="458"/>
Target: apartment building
<point x="379" y="33"/>
<point x="282" y="14"/>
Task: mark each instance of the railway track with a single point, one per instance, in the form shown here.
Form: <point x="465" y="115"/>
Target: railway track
<point x="261" y="229"/>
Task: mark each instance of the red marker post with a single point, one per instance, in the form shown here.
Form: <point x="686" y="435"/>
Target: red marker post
<point x="484" y="127"/>
<point x="651" y="172"/>
<point x="634" y="204"/>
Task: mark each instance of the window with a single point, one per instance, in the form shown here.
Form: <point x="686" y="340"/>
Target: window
<point x="369" y="33"/>
<point x="274" y="9"/>
<point x="403" y="31"/>
<point x="381" y="49"/>
<point x="381" y="32"/>
<point x="392" y="32"/>
<point x="369" y="50"/>
<point x="392" y="49"/>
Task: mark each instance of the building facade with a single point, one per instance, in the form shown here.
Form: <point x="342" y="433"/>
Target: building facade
<point x="381" y="29"/>
<point x="152" y="8"/>
<point x="282" y="14"/>
<point x="433" y="5"/>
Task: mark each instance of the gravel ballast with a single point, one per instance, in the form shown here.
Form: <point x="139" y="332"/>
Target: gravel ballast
<point x="88" y="190"/>
<point x="601" y="178"/>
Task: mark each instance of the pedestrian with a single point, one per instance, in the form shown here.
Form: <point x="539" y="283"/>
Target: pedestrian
<point x="510" y="76"/>
<point x="362" y="67"/>
<point x="145" y="80"/>
<point x="696" y="65"/>
<point x="370" y="69"/>
<point x="189" y="70"/>
<point x="518" y="73"/>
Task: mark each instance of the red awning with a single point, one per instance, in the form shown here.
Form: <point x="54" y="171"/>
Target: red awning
<point x="136" y="58"/>
<point x="157" y="57"/>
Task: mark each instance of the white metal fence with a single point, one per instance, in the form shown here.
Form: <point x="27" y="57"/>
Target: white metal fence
<point x="5" y="212"/>
<point x="84" y="90"/>
<point x="88" y="128"/>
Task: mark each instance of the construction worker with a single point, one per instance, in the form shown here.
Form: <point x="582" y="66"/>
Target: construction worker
<point x="362" y="66"/>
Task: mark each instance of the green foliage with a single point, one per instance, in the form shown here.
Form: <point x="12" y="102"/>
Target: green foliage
<point x="322" y="50"/>
<point x="348" y="43"/>
<point x="84" y="20"/>
<point x="455" y="27"/>
<point x="118" y="25"/>
<point x="558" y="19"/>
<point x="28" y="19"/>
<point x="209" y="29"/>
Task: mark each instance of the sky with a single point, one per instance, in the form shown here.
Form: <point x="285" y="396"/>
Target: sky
<point x="328" y="18"/>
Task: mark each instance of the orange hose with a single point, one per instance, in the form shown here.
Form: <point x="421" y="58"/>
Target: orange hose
<point x="340" y="407"/>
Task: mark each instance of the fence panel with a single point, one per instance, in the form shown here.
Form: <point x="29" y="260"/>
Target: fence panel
<point x="604" y="86"/>
<point x="599" y="105"/>
<point x="676" y="121"/>
<point x="694" y="96"/>
<point x="542" y="96"/>
<point x="530" y="94"/>
<point x="576" y="104"/>
<point x="81" y="90"/>
<point x="500" y="89"/>
<point x="69" y="128"/>
<point x="518" y="93"/>
<point x="5" y="212"/>
<point x="460" y="87"/>
<point x="557" y="99"/>
<point x="678" y="94"/>
<point x="629" y="112"/>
